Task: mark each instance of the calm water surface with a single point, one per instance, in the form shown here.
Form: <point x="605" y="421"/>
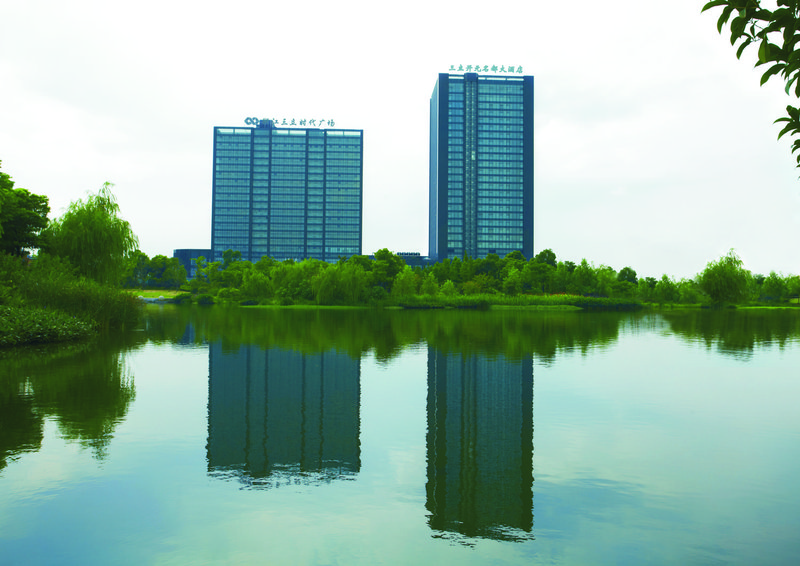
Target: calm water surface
<point x="238" y="436"/>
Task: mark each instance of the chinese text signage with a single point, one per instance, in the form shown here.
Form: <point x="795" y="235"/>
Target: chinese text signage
<point x="486" y="69"/>
<point x="312" y="123"/>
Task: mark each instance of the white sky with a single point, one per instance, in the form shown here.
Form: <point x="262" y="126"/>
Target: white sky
<point x="655" y="147"/>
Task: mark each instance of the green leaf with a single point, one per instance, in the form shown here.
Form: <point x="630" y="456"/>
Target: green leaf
<point x="789" y="84"/>
<point x="726" y="13"/>
<point x="713" y="4"/>
<point x="772" y="70"/>
<point x="737" y="28"/>
<point x="744" y="44"/>
<point x="763" y="54"/>
<point x="786" y="129"/>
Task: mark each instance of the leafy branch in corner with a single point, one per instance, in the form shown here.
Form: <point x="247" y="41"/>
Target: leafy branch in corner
<point x="777" y="36"/>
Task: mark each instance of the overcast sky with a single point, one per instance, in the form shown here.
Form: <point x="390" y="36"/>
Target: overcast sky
<point x="654" y="145"/>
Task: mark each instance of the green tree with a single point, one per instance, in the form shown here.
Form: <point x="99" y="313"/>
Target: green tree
<point x="774" y="288"/>
<point x="606" y="279"/>
<point x="688" y="292"/>
<point x="725" y="280"/>
<point x="646" y="289"/>
<point x="405" y="284"/>
<point x="92" y="237"/>
<point x="584" y="279"/>
<point x="793" y="286"/>
<point x="429" y="285"/>
<point x="137" y="268"/>
<point x="666" y="291"/>
<point x="547" y="256"/>
<point x="353" y="278"/>
<point x="777" y="34"/>
<point x="512" y="284"/>
<point x="23" y="216"/>
<point x="627" y="274"/>
<point x="256" y="285"/>
<point x="538" y="276"/>
<point x="229" y="256"/>
<point x="166" y="272"/>
<point x="385" y="268"/>
<point x="449" y="289"/>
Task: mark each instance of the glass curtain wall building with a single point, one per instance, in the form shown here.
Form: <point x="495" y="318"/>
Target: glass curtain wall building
<point x="287" y="193"/>
<point x="481" y="166"/>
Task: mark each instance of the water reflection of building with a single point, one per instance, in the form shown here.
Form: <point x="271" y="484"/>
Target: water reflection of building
<point x="480" y="445"/>
<point x="278" y="416"/>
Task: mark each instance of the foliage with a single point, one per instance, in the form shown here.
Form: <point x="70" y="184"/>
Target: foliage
<point x="23" y="216"/>
<point x="52" y="303"/>
<point x="511" y="280"/>
<point x="35" y="325"/>
<point x="627" y="274"/>
<point x="546" y="256"/>
<point x="666" y="291"/>
<point x="774" y="288"/>
<point x="165" y="273"/>
<point x="725" y="280"/>
<point x="93" y="238"/>
<point x="775" y="32"/>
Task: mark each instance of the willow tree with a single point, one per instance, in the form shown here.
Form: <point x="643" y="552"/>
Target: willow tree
<point x="726" y="280"/>
<point x="93" y="238"/>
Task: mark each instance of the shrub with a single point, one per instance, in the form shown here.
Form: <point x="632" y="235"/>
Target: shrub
<point x="182" y="299"/>
<point x="31" y="326"/>
<point x="205" y="299"/>
<point x="230" y="294"/>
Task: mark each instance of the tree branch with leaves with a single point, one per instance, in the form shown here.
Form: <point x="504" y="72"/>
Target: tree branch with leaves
<point x="777" y="34"/>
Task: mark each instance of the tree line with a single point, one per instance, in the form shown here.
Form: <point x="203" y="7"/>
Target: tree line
<point x="387" y="279"/>
<point x="84" y="257"/>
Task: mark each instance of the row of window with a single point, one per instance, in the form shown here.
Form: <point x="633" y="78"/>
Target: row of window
<point x="455" y="128"/>
<point x="489" y="154"/>
<point x="489" y="88"/>
<point x="488" y="140"/>
<point x="501" y="109"/>
<point x="223" y="155"/>
<point x="508" y="97"/>
<point x="504" y="211"/>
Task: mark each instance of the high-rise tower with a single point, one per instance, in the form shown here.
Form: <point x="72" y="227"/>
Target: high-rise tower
<point x="287" y="193"/>
<point x="481" y="166"/>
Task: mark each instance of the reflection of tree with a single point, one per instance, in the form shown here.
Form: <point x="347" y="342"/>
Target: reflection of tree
<point x="83" y="387"/>
<point x="480" y="446"/>
<point x="385" y="333"/>
<point x="737" y="331"/>
<point x="21" y="428"/>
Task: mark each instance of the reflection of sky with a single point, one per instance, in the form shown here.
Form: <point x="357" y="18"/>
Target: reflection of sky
<point x="650" y="450"/>
<point x="659" y="442"/>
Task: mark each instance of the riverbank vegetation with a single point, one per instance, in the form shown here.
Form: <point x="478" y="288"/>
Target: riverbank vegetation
<point x="70" y="288"/>
<point x="511" y="281"/>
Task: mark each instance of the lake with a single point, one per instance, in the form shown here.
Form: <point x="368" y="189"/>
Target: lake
<point x="322" y="437"/>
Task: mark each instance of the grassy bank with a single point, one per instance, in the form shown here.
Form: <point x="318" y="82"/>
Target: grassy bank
<point x="44" y="301"/>
<point x="21" y="325"/>
<point x="533" y="302"/>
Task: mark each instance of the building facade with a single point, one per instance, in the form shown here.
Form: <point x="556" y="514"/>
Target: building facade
<point x="287" y="193"/>
<point x="481" y="166"/>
